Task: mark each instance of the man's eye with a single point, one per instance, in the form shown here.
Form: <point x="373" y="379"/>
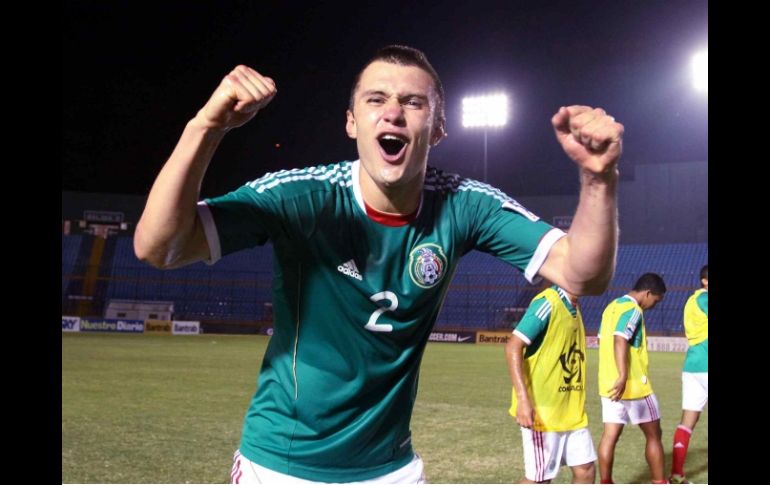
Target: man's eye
<point x="414" y="103"/>
<point x="376" y="100"/>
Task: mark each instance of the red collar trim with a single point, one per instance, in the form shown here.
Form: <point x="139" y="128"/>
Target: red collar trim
<point x="386" y="219"/>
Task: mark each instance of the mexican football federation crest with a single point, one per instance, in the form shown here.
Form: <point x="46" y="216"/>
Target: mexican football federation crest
<point x="427" y="265"/>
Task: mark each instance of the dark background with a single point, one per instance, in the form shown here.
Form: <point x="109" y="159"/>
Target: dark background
<point x="134" y="74"/>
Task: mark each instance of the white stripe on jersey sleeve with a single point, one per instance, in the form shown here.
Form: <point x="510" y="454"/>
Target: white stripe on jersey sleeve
<point x="522" y="337"/>
<point x="334" y="174"/>
<point x="544" y="312"/>
<point x="633" y="323"/>
<point x="622" y="334"/>
<point x="210" y="230"/>
<point x="548" y="240"/>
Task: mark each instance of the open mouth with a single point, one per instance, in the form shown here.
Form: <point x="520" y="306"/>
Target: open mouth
<point x="392" y="145"/>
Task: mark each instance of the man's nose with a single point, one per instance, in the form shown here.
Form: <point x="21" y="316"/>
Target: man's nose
<point x="393" y="112"/>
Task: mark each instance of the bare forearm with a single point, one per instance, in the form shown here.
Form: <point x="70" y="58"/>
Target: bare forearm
<point x="166" y="233"/>
<point x="593" y="236"/>
<point x="514" y="354"/>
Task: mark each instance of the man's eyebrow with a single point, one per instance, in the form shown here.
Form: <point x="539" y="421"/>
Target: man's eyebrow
<point x="379" y="92"/>
<point x="374" y="91"/>
<point x="416" y="95"/>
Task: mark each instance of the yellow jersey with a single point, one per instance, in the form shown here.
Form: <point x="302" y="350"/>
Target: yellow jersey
<point x="624" y="317"/>
<point x="554" y="362"/>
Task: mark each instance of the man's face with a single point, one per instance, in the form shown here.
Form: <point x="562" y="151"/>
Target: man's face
<point x="649" y="300"/>
<point x="393" y="123"/>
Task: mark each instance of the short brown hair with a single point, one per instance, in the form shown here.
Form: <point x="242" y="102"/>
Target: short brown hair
<point x="405" y="56"/>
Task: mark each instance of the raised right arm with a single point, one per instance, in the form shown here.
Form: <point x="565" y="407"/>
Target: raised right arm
<point x="169" y="233"/>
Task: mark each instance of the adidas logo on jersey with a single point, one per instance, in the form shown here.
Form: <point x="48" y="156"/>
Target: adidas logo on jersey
<point x="349" y="268"/>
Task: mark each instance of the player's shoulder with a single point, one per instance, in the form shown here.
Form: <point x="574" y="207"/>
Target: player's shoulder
<point x="624" y="299"/>
<point x="546" y="294"/>
<point x="465" y="193"/>
<point x="455" y="185"/>
<point x="539" y="300"/>
<point x="299" y="181"/>
<point x="468" y="192"/>
<point x="625" y="304"/>
<point x="440" y="180"/>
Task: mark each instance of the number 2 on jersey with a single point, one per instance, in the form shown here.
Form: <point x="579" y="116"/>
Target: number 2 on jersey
<point x="372" y="324"/>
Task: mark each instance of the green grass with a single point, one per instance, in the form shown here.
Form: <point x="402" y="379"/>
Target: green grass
<point x="162" y="409"/>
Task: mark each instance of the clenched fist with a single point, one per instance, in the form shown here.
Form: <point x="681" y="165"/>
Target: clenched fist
<point x="591" y="137"/>
<point x="237" y="99"/>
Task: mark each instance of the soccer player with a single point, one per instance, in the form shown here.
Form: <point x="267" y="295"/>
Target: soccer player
<point x="364" y="252"/>
<point x="624" y="380"/>
<point x="695" y="375"/>
<point x="547" y="362"/>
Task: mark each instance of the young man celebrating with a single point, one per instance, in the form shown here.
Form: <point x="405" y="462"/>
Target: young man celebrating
<point x="624" y="382"/>
<point x="364" y="254"/>
<point x="547" y="362"/>
<point x="695" y="375"/>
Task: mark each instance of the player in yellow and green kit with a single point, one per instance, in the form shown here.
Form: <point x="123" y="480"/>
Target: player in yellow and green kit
<point x="695" y="375"/>
<point x="547" y="362"/>
<point x="364" y="252"/>
<point x="624" y="382"/>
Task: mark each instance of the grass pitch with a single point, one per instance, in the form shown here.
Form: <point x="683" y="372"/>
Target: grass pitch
<point x="163" y="409"/>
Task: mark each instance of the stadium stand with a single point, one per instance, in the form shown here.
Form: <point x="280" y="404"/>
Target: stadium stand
<point x="70" y="248"/>
<point x="485" y="293"/>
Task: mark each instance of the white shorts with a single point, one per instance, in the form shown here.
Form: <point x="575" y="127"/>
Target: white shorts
<point x="546" y="451"/>
<point x="247" y="472"/>
<point x="695" y="390"/>
<point x="636" y="411"/>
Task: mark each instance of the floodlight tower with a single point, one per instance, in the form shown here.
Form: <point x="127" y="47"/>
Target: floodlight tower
<point x="487" y="111"/>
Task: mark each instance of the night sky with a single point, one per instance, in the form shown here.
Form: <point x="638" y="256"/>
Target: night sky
<point x="134" y="74"/>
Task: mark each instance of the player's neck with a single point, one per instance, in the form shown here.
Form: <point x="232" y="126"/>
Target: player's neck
<point x="396" y="200"/>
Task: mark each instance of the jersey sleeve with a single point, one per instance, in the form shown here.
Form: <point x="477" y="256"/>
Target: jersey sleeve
<point x="703" y="302"/>
<point x="628" y="323"/>
<point x="535" y="320"/>
<point x="506" y="229"/>
<point x="238" y="220"/>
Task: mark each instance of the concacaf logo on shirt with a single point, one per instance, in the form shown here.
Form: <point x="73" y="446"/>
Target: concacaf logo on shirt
<point x="427" y="265"/>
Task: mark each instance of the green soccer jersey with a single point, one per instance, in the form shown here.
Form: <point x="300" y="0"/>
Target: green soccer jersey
<point x="354" y="302"/>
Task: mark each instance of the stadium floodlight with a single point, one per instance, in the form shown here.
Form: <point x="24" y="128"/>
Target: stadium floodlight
<point x="488" y="111"/>
<point x="700" y="71"/>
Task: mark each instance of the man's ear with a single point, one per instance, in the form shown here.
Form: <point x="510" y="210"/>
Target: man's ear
<point x="439" y="133"/>
<point x="350" y="125"/>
